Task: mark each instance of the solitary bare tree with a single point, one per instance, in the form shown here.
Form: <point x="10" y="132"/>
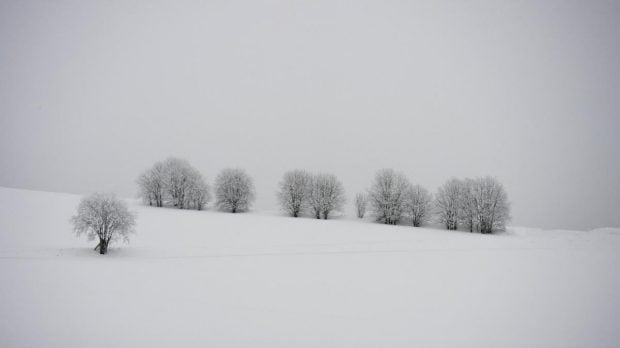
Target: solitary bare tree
<point x="361" y="202"/>
<point x="325" y="194"/>
<point x="448" y="203"/>
<point x="386" y="196"/>
<point x="418" y="205"/>
<point x="105" y="217"/>
<point x="234" y="190"/>
<point x="293" y="191"/>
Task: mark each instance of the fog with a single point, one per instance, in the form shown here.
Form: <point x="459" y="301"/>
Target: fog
<point x="92" y="93"/>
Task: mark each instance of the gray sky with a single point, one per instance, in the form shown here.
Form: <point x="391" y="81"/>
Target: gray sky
<point x="92" y="93"/>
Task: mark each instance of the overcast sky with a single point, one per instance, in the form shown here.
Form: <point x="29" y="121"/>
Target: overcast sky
<point x="93" y="92"/>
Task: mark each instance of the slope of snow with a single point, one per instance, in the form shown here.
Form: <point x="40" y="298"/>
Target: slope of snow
<point x="207" y="278"/>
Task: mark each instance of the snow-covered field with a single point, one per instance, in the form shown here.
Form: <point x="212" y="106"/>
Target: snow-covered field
<point x="207" y="278"/>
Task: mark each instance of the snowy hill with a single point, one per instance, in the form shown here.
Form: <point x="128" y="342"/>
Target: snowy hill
<point x="205" y="278"/>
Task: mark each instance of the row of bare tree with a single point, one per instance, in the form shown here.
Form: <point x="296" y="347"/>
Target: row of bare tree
<point x="479" y="204"/>
<point x="174" y="182"/>
<point x="301" y="191"/>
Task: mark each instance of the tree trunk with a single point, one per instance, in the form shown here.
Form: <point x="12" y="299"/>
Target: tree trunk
<point x="452" y="225"/>
<point x="103" y="247"/>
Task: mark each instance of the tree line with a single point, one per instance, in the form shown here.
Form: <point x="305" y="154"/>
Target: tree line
<point x="480" y="204"/>
<point x="174" y="182"/>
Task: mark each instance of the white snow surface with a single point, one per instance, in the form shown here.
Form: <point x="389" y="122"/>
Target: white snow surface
<point x="258" y="279"/>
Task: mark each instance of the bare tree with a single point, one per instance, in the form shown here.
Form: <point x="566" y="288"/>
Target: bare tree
<point x="103" y="216"/>
<point x="152" y="184"/>
<point x="361" y="202"/>
<point x="325" y="194"/>
<point x="448" y="203"/>
<point x="197" y="191"/>
<point x="177" y="177"/>
<point x="234" y="190"/>
<point x="418" y="205"/>
<point x="292" y="194"/>
<point x="467" y="205"/>
<point x="386" y="196"/>
<point x="491" y="205"/>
